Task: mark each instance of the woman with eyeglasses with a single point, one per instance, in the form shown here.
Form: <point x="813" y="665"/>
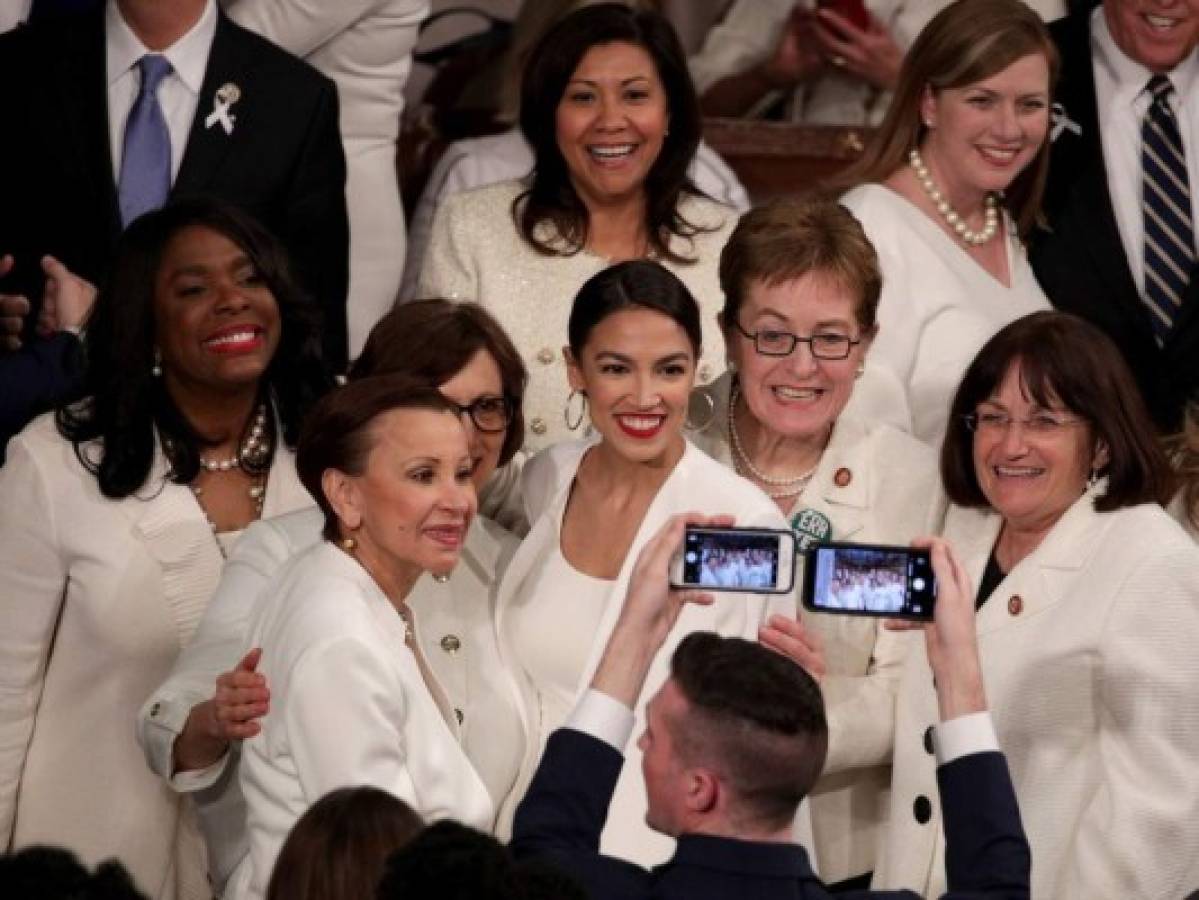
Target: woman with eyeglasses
<point x="192" y="726"/>
<point x="1088" y="596"/>
<point x="801" y="285"/>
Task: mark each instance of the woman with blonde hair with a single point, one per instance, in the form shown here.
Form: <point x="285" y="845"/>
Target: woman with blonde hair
<point x="945" y="192"/>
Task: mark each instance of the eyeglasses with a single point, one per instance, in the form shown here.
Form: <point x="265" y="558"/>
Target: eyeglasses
<point x="1042" y="424"/>
<point x="490" y="414"/>
<point x="825" y="345"/>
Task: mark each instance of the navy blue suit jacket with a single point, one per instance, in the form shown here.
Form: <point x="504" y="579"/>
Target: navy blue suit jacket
<point x="563" y="814"/>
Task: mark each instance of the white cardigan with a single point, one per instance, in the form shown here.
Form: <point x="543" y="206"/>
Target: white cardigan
<point x="349" y="707"/>
<point x="891" y="494"/>
<point x="697" y="483"/>
<point x="1088" y="654"/>
<point x="98" y="597"/>
<point x="456" y="631"/>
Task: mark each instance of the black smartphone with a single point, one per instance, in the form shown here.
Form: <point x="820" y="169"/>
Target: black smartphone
<point x="752" y="560"/>
<point x="869" y="580"/>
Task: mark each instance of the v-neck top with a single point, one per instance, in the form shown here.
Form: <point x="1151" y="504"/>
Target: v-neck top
<point x="938" y="305"/>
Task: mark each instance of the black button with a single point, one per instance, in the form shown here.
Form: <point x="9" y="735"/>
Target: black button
<point x="922" y="809"/>
<point x="928" y="740"/>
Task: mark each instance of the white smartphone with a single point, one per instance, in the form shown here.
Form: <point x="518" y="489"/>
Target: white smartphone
<point x="750" y="560"/>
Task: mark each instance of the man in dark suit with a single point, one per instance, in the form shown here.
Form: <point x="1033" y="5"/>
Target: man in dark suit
<point x="734" y="740"/>
<point x="1100" y="255"/>
<point x="246" y="122"/>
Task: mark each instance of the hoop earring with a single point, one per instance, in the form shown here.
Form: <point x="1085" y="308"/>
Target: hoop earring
<point x="574" y="426"/>
<point x="156" y="367"/>
<point x="707" y="419"/>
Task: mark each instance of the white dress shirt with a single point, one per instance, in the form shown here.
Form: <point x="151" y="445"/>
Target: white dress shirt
<point x="1123" y="101"/>
<point x="179" y="92"/>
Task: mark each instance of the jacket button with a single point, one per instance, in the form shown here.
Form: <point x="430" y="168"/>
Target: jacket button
<point x="450" y="643"/>
<point x="922" y="809"/>
<point x="545" y="356"/>
<point x="843" y="477"/>
<point x="537" y="426"/>
<point x="928" y="740"/>
<point x="705" y="373"/>
<point x="155" y="710"/>
<point x="1015" y="604"/>
<point x="458" y="715"/>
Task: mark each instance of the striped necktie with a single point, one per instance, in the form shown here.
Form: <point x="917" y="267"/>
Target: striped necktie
<point x="1166" y="202"/>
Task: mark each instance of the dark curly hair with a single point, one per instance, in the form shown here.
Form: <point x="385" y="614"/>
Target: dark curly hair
<point x="124" y="404"/>
<point x="551" y="197"/>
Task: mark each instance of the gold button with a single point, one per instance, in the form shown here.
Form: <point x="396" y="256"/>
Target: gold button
<point x="458" y="713"/>
<point x="537" y="426"/>
<point x="705" y="373"/>
<point x="545" y="356"/>
<point x="450" y="643"/>
<point x="1015" y="604"/>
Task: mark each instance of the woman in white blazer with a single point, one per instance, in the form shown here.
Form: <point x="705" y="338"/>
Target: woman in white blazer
<point x="353" y="698"/>
<point x="115" y="518"/>
<point x="191" y="735"/>
<point x="365" y="46"/>
<point x="634" y="339"/>
<point x="1089" y="604"/>
<point x="801" y="285"/>
<point x="1185" y="505"/>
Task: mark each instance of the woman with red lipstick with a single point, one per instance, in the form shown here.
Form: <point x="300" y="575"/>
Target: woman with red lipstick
<point x="1088" y="596"/>
<point x="116" y="515"/>
<point x="354" y="700"/>
<point x="946" y="190"/>
<point x="608" y="107"/>
<point x="634" y="335"/>
<point x="801" y="285"/>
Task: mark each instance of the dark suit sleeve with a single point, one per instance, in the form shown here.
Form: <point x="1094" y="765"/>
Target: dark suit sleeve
<point x="986" y="851"/>
<point x="35" y="378"/>
<point x="563" y="814"/>
<point x="317" y="227"/>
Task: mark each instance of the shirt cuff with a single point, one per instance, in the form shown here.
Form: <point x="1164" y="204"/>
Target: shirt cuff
<point x="603" y="718"/>
<point x="974" y="733"/>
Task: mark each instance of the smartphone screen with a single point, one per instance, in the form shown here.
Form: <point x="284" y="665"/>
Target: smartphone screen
<point x="754" y="560"/>
<point x="869" y="580"/>
<point x="853" y="10"/>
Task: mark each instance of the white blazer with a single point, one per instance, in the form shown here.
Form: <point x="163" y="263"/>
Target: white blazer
<point x="456" y="630"/>
<point x="874" y="484"/>
<point x="365" y="46"/>
<point x="697" y="483"/>
<point x="1088" y="654"/>
<point x="98" y="598"/>
<point x="349" y="707"/>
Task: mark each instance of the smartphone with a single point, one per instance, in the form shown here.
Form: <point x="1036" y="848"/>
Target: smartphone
<point x="751" y="560"/>
<point x="853" y="10"/>
<point x="869" y="580"/>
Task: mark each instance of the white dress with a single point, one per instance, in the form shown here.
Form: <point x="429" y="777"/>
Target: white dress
<point x="350" y="705"/>
<point x="477" y="253"/>
<point x="938" y="307"/>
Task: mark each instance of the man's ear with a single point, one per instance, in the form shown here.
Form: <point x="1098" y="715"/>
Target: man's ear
<point x="703" y="790"/>
<point x="344" y="495"/>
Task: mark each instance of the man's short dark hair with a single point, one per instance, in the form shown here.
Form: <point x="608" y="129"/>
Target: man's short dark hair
<point x="756" y="717"/>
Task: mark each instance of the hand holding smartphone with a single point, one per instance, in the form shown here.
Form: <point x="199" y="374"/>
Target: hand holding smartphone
<point x="853" y="10"/>
<point x="749" y="560"/>
<point x="870" y="580"/>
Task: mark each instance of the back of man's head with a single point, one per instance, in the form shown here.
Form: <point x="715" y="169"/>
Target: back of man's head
<point x="754" y="717"/>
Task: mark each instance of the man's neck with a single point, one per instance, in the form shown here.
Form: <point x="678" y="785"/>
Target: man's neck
<point x="758" y="835"/>
<point x="160" y="23"/>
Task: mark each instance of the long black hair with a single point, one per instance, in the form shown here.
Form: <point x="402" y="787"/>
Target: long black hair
<point x="123" y="403"/>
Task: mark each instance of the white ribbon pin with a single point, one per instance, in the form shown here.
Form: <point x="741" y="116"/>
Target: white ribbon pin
<point x="226" y="96"/>
<point x="1061" y="122"/>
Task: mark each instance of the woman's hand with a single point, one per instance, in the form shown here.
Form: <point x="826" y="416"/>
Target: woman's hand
<point x="789" y="638"/>
<point x="242" y="697"/>
<point x="870" y="54"/>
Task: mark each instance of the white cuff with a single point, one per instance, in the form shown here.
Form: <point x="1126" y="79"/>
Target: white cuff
<point x="604" y="718"/>
<point x="199" y="779"/>
<point x="973" y="733"/>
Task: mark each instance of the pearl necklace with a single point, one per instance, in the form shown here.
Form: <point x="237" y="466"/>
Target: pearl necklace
<point x="956" y="222"/>
<point x="253" y="446"/>
<point x="257" y="493"/>
<point x="790" y="487"/>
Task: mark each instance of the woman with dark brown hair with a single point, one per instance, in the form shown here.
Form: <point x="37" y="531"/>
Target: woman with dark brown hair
<point x="1088" y="607"/>
<point x="946" y="190"/>
<point x="1185" y="505"/>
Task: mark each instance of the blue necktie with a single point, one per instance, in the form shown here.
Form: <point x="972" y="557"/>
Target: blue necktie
<point x="146" y="160"/>
<point x="1166" y="203"/>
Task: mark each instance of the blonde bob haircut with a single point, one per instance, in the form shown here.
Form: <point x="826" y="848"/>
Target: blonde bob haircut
<point x="967" y="41"/>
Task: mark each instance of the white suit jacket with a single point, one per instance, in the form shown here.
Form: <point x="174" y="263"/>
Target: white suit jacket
<point x="365" y="46"/>
<point x="349" y="706"/>
<point x="1088" y="654"/>
<point x="98" y="597"/>
<point x="697" y="483"/>
<point x="891" y="494"/>
<point x="455" y="628"/>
